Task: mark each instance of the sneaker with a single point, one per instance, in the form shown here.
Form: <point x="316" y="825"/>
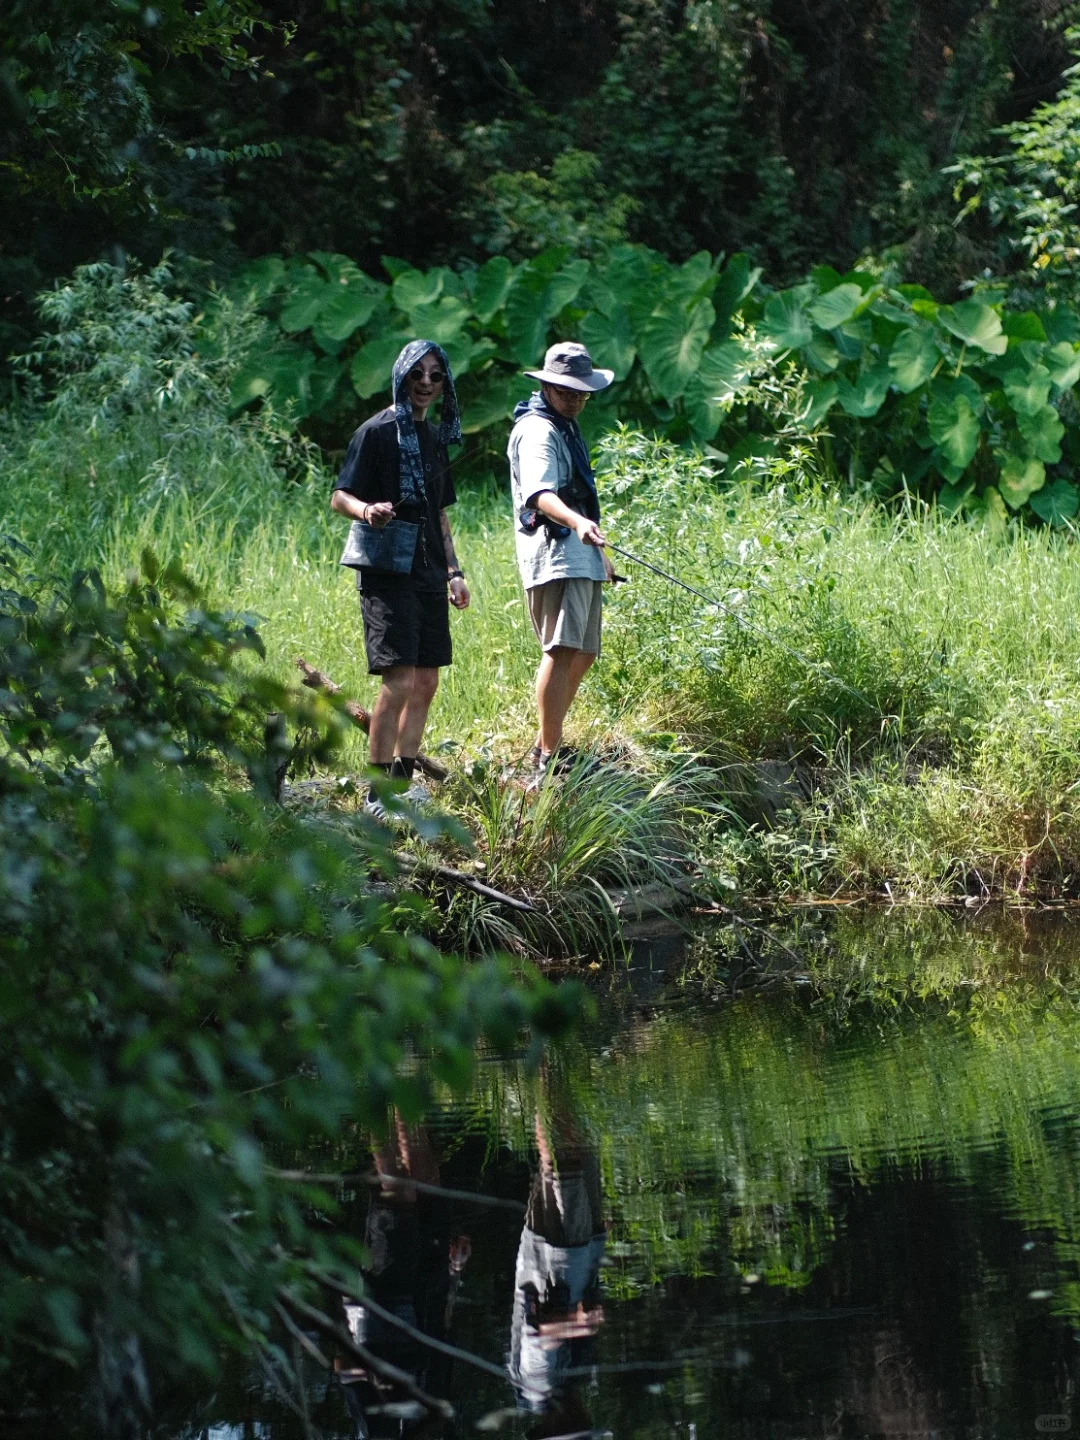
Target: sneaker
<point x="374" y="807"/>
<point x="563" y="759"/>
<point x="417" y="795"/>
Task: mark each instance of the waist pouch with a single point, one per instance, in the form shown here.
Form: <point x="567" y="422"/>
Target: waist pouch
<point x="391" y="548"/>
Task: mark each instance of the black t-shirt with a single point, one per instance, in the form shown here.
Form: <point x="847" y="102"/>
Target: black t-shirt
<point x="372" y="473"/>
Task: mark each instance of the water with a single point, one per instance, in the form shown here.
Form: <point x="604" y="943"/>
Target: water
<point x="842" y="1208"/>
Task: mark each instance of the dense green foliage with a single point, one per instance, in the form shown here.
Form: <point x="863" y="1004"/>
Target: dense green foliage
<point x="439" y="132"/>
<point x="191" y="986"/>
<point x="925" y="394"/>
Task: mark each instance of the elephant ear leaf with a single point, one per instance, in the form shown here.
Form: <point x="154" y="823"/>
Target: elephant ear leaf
<point x="672" y="344"/>
<point x="417" y="287"/>
<point x="976" y="324"/>
<point x="786" y="322"/>
<point x="955" y="427"/>
<point x="609" y="339"/>
<point x="1019" y="479"/>
<point x="1042" y="434"/>
<point x="913" y="359"/>
<point x="492" y="281"/>
<point x="1056" y="503"/>
<point x="308" y="294"/>
<point x="836" y="306"/>
<point x="1028" y="390"/>
<point x="1063" y="362"/>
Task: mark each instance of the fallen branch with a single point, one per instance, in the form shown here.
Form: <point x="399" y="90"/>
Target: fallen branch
<point x="379" y="1181"/>
<point x="319" y="680"/>
<point x="389" y="1318"/>
<point x="383" y="1368"/>
<point x="458" y="877"/>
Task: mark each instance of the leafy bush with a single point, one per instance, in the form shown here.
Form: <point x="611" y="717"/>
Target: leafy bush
<point x="193" y="987"/>
<point x="961" y="398"/>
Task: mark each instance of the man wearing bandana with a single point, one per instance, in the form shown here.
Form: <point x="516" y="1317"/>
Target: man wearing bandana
<point x="559" y="542"/>
<point x="395" y="486"/>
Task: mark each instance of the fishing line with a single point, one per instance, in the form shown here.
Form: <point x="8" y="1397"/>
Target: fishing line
<point x="749" y="625"/>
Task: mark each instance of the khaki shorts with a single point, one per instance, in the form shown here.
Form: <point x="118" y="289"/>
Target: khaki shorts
<point x="567" y="613"/>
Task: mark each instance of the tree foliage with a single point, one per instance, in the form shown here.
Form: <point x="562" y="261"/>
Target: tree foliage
<point x="193" y="985"/>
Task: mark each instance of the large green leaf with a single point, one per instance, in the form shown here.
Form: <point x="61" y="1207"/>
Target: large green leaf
<point x="866" y="395"/>
<point x="819" y="397"/>
<point x="372" y="363"/>
<point x="955" y="427"/>
<point x="951" y="497"/>
<point x="492" y="281"/>
<point x="737" y="280"/>
<point x="672" y="344"/>
<point x="1028" y="390"/>
<point x="724" y="370"/>
<point x="913" y="359"/>
<point x="976" y="324"/>
<point x="704" y="410"/>
<point x="1056" y="503"/>
<point x="308" y="293"/>
<point x="1042" y="434"/>
<point x="821" y="354"/>
<point x="836" y="306"/>
<point x="564" y="285"/>
<point x="1063" y="362"/>
<point x="610" y="340"/>
<point x="283" y="374"/>
<point x="1020" y="478"/>
<point x="1022" y="325"/>
<point x="526" y="315"/>
<point x="486" y="400"/>
<point x="786" y="322"/>
<point x="417" y="287"/>
<point x="349" y="306"/>
<point x="637" y="277"/>
<point x="693" y="280"/>
<point x="261" y="278"/>
<point x="443" y="321"/>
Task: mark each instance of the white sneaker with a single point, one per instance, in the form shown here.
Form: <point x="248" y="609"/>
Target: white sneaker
<point x="417" y="795"/>
<point x="374" y="807"/>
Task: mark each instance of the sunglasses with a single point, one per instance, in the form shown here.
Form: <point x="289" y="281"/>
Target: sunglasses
<point x="436" y="376"/>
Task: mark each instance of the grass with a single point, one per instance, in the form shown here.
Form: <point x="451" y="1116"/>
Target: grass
<point x="919" y="676"/>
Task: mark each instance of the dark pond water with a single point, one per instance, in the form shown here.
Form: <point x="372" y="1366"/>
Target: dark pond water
<point x="848" y="1205"/>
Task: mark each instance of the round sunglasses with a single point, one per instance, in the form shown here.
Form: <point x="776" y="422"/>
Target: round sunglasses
<point x="436" y="376"/>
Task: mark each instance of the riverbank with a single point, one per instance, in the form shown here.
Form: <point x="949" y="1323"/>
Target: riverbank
<point x="882" y="704"/>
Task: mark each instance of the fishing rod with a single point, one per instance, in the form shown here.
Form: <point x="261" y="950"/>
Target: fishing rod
<point x="749" y="625"/>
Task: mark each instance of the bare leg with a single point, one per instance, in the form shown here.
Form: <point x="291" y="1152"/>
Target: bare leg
<point x="561" y="672"/>
<point x="394" y="693"/>
<point x="414" y="716"/>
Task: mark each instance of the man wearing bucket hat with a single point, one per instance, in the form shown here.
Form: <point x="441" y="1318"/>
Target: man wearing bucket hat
<point x="395" y="487"/>
<point x="559" y="543"/>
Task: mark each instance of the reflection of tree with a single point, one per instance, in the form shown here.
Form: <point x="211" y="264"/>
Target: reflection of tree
<point x="557" y="1309"/>
<point x="414" y="1272"/>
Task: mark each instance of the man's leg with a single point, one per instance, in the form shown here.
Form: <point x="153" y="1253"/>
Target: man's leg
<point x="390" y="704"/>
<point x="410" y="730"/>
<point x="561" y="672"/>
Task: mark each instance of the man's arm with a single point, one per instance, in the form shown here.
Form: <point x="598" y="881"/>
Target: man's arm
<point x="459" y="591"/>
<point x="587" y="531"/>
<point x="344" y="502"/>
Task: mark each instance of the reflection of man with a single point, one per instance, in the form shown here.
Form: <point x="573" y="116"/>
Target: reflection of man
<point x="557" y="1309"/>
<point x="415" y="1271"/>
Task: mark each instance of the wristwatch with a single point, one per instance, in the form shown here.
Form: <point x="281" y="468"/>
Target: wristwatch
<point x="455" y="574"/>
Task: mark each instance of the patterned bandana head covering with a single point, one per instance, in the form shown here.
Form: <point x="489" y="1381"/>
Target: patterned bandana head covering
<point x="449" y="431"/>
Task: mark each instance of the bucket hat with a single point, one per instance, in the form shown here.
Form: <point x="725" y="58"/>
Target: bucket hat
<point x="569" y="364"/>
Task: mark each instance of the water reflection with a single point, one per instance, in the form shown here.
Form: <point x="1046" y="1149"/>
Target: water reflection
<point x="414" y="1273"/>
<point x="849" y="1208"/>
<point x="557" y="1307"/>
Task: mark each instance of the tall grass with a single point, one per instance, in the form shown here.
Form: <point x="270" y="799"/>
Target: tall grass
<point x="922" y="672"/>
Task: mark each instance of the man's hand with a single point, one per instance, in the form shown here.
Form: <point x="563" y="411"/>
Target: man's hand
<point x="459" y="593"/>
<point x="379" y="515"/>
<point x="588" y="532"/>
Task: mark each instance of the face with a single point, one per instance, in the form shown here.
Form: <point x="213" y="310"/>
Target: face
<point x="425" y="382"/>
<point x="568" y="403"/>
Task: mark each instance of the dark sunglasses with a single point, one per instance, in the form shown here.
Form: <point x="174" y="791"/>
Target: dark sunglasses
<point x="436" y="377"/>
